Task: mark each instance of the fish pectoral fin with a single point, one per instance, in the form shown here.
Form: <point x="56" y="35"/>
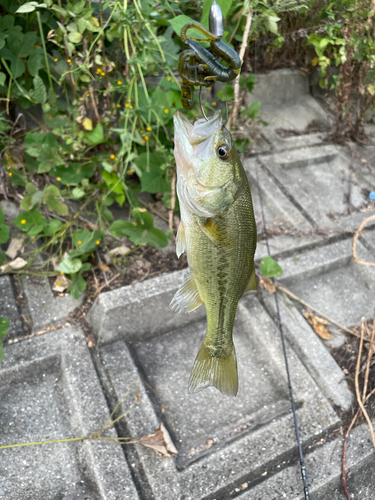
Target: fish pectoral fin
<point x="187" y="298"/>
<point x="180" y="240"/>
<point x="252" y="285"/>
<point x="217" y="235"/>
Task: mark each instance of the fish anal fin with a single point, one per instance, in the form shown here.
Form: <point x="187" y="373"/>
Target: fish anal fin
<point x="187" y="298"/>
<point x="209" y="370"/>
<point x="252" y="285"/>
<point x="180" y="240"/>
<point x="217" y="235"/>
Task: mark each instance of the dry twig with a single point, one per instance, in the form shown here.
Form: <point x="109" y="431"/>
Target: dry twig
<point x="355" y="237"/>
<point x="233" y="115"/>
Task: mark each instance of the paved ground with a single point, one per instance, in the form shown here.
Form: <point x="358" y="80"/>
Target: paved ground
<point x="53" y="386"/>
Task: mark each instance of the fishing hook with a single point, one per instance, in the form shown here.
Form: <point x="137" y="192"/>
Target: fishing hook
<point x="202" y="108"/>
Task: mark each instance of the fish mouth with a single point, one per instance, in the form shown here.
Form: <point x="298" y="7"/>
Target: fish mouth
<point x="202" y="128"/>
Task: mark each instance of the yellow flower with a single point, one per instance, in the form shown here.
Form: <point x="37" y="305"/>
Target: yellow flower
<point x="130" y="107"/>
<point x="118" y="105"/>
<point x="172" y="139"/>
<point x="98" y="242"/>
<point x="10" y="174"/>
<point x="113" y="156"/>
<point x="146" y="137"/>
<point x="149" y="128"/>
<point x="69" y="61"/>
<point x="59" y="283"/>
<point x="8" y="168"/>
<point x="80" y="99"/>
<point x="143" y="141"/>
<point x="169" y="79"/>
<point x="79" y="242"/>
<point x="214" y="104"/>
<point x="56" y="59"/>
<point x="142" y="131"/>
<point x="88" y="94"/>
<point x="126" y="105"/>
<point x="58" y="178"/>
<point x="166" y="111"/>
<point x="23" y="221"/>
<point x="119" y="82"/>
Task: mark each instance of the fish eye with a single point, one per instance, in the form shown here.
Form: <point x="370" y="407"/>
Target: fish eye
<point x="223" y="152"/>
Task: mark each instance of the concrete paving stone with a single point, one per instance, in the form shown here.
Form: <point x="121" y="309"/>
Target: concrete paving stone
<point x="330" y="280"/>
<point x="323" y="467"/>
<point x="43" y="308"/>
<point x="318" y="179"/>
<point x="145" y="304"/>
<point x="299" y="141"/>
<point x="280" y="215"/>
<point x="368" y="239"/>
<point x="312" y="351"/>
<point x="10" y="309"/>
<point x="221" y="441"/>
<point x="49" y="390"/>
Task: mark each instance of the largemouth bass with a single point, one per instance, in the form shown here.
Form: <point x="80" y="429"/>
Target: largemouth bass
<point x="218" y="234"/>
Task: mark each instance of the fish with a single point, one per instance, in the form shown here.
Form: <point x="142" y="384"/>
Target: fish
<point x="218" y="233"/>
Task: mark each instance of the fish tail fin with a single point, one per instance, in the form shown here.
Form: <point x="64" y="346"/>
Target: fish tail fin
<point x="209" y="370"/>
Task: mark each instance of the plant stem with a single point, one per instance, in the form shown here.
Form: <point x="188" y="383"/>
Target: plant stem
<point x="45" y="51"/>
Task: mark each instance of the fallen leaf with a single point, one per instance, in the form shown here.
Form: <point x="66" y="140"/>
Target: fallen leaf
<point x="137" y="397"/>
<point x="268" y="285"/>
<point x="103" y="267"/>
<point x="160" y="441"/>
<point x="318" y="325"/>
<point x="61" y="283"/>
<point x="121" y="250"/>
<point x="14" y="247"/>
<point x="18" y="263"/>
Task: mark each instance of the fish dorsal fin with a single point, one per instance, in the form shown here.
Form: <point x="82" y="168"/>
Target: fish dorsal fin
<point x="187" y="298"/>
<point x="215" y="233"/>
<point x="252" y="285"/>
<point x="180" y="240"/>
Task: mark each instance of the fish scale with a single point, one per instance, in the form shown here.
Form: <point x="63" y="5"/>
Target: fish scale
<point x="220" y="247"/>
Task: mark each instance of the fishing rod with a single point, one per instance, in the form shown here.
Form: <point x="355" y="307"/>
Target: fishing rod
<point x="200" y="66"/>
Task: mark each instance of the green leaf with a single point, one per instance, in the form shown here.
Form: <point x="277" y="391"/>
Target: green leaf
<point x="2" y="215"/>
<point x="53" y="226"/>
<point x="253" y="110"/>
<point x="4" y="233"/>
<point x="142" y="231"/>
<point x="95" y="136"/>
<point x="270" y="268"/>
<point x="75" y="172"/>
<point x="227" y="93"/>
<point x="75" y="37"/>
<point x="225" y="5"/>
<point x="51" y="199"/>
<point x="69" y="265"/>
<point x="29" y="7"/>
<point x="271" y="24"/>
<point x="25" y="220"/>
<point x="39" y="92"/>
<point x="34" y="63"/>
<point x="78" y="193"/>
<point x="178" y="22"/>
<point x="35" y="230"/>
<point x="87" y="241"/>
<point x="4" y="327"/>
<point x="2" y="78"/>
<point x="3" y="258"/>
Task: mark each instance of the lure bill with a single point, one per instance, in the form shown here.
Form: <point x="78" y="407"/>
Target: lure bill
<point x="218" y="234"/>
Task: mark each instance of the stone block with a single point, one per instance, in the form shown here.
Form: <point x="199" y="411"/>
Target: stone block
<point x="323" y="465"/>
<point x="221" y="441"/>
<point x="10" y="309"/>
<point x="320" y="182"/>
<point x="287" y="228"/>
<point x="43" y="308"/>
<point x="280" y="86"/>
<point x="139" y="311"/>
<point x="49" y="390"/>
<point x="330" y="280"/>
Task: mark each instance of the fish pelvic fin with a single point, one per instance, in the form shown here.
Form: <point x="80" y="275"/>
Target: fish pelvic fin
<point x="252" y="285"/>
<point x="217" y="235"/>
<point x="180" y="240"/>
<point x="187" y="298"/>
<point x="209" y="370"/>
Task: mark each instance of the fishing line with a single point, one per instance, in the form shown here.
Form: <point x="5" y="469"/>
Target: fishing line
<point x="301" y="458"/>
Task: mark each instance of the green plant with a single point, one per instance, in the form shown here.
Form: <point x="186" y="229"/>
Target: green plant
<point x="4" y="327"/>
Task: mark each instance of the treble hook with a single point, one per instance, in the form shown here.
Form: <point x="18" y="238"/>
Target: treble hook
<point x="202" y="108"/>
